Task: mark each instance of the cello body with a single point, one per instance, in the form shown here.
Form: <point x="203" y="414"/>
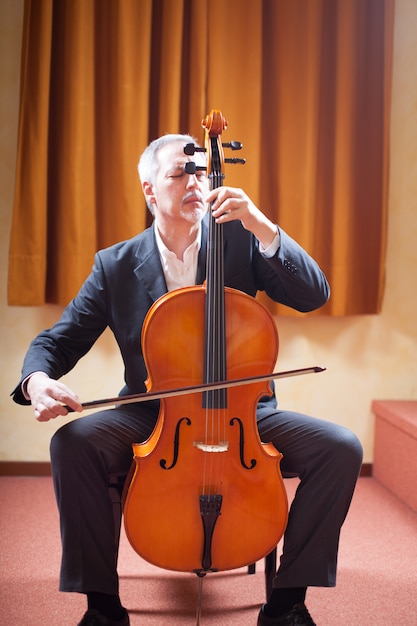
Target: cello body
<point x="163" y="519"/>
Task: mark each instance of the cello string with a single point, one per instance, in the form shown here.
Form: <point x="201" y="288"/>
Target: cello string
<point x="220" y="347"/>
<point x="221" y="353"/>
<point x="215" y="344"/>
<point x="209" y="347"/>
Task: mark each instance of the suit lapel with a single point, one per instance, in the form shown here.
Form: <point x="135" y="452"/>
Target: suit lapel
<point x="149" y="269"/>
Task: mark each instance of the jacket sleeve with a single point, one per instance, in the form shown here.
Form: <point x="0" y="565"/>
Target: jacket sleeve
<point x="56" y="350"/>
<point x="292" y="277"/>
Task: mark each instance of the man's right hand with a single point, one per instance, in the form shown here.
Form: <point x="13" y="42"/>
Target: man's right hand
<point x="48" y="397"/>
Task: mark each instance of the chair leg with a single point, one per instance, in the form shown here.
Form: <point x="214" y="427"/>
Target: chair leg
<point x="270" y="570"/>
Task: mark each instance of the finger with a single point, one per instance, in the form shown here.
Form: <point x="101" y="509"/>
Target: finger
<point x="72" y="403"/>
<point x="65" y="396"/>
<point x="42" y="418"/>
<point x="49" y="408"/>
<point x="43" y="413"/>
<point x="230" y="209"/>
<point x="219" y="195"/>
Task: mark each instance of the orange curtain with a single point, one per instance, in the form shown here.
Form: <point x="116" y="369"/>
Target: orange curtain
<point x="305" y="85"/>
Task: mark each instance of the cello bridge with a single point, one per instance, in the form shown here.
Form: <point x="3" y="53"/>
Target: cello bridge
<point x="222" y="446"/>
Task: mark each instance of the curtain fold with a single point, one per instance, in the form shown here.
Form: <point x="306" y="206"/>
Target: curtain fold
<point x="304" y="84"/>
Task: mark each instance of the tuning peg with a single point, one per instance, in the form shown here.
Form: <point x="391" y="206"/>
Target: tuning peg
<point x="191" y="148"/>
<point x="192" y="168"/>
<point x="233" y="145"/>
<point x="235" y="161"/>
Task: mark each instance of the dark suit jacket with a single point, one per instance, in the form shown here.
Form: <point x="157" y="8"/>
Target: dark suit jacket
<point x="127" y="278"/>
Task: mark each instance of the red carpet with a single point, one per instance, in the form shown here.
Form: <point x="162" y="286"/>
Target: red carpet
<point x="377" y="583"/>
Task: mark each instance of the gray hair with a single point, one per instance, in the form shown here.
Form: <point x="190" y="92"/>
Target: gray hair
<point x="148" y="162"/>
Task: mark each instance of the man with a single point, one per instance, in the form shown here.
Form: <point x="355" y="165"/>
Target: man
<point x="91" y="453"/>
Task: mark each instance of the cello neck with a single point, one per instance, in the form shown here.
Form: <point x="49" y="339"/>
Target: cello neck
<point x="215" y="366"/>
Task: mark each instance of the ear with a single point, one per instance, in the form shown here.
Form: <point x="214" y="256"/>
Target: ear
<point x="148" y="192"/>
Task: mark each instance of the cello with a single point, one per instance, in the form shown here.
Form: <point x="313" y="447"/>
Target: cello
<point x="206" y="494"/>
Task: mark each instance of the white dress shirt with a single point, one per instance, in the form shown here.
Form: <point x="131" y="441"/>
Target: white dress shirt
<point x="179" y="273"/>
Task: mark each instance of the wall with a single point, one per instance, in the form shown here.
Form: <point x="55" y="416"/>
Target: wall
<point x="366" y="357"/>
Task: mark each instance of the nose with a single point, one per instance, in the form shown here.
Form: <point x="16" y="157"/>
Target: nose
<point x="192" y="181"/>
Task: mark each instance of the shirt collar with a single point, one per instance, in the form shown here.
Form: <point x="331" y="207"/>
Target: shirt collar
<point x="166" y="252"/>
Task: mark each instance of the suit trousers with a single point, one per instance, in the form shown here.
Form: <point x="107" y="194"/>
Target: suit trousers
<point x="91" y="457"/>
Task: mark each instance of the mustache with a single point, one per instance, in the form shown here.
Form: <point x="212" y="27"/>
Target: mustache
<point x="193" y="195"/>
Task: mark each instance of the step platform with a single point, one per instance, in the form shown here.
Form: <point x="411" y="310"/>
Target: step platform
<point x="395" y="448"/>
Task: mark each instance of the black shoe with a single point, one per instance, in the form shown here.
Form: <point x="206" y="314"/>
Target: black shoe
<point x="94" y="618"/>
<point x="298" y="616"/>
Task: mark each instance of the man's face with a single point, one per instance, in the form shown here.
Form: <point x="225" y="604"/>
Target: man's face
<point x="176" y="195"/>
